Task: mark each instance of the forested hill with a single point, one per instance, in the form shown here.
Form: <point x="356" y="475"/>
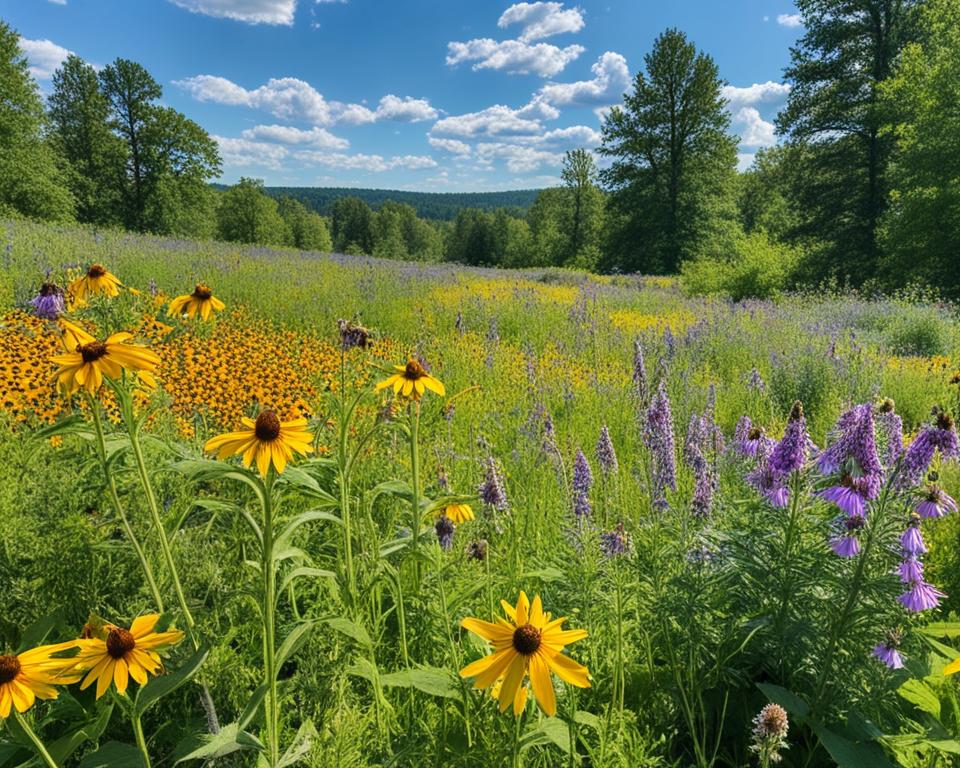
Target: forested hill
<point x="439" y="206"/>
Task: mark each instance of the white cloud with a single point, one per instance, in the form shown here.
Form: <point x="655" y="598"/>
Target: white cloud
<point x="514" y="57"/>
<point x="285" y="134"/>
<point x="290" y="98"/>
<point x="250" y="11"/>
<point x="572" y="137"/>
<point x="790" y="20"/>
<point x="59" y="2"/>
<point x="43" y="56"/>
<point x="244" y="152"/>
<point x="406" y="109"/>
<point x="497" y="120"/>
<point x="518" y="159"/>
<point x="611" y="78"/>
<point x="744" y="160"/>
<point x="453" y="146"/>
<point x="754" y="130"/>
<point x="542" y="19"/>
<point x="362" y="162"/>
<point x="768" y="93"/>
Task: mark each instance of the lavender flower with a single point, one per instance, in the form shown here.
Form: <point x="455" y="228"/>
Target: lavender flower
<point x="769" y="484"/>
<point x="890" y="427"/>
<point x="848" y="544"/>
<point x="936" y="503"/>
<point x="616" y="542"/>
<point x="854" y="453"/>
<point x="916" y="460"/>
<point x="846" y="496"/>
<point x="606" y="455"/>
<point x="640" y="372"/>
<point x="911" y="540"/>
<point x="887" y="651"/>
<point x="911" y="569"/>
<point x="669" y="342"/>
<point x="921" y="597"/>
<point x="582" y="483"/>
<point x="658" y="436"/>
<point x="445" y="530"/>
<point x="48" y="303"/>
<point x="791" y="452"/>
<point x="755" y="381"/>
<point x="491" y="490"/>
<point x="702" y="502"/>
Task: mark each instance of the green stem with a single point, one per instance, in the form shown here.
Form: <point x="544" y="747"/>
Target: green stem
<point x="344" y="462"/>
<point x="271" y="705"/>
<point x="37" y="744"/>
<point x="415" y="475"/>
<point x="158" y="524"/>
<point x="515" y="761"/>
<point x="787" y="585"/>
<point x="141" y="741"/>
<point x="118" y="507"/>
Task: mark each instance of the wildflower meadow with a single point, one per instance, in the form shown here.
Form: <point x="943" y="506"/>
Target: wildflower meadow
<point x="270" y="508"/>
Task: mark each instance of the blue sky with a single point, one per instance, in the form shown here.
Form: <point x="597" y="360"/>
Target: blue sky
<point x="455" y="95"/>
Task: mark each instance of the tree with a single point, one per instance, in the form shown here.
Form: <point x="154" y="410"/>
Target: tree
<point x="32" y="181"/>
<point x="309" y="230"/>
<point x="352" y="226"/>
<point x="848" y="50"/>
<point x="921" y="228"/>
<point x="550" y="243"/>
<point x="79" y="126"/>
<point x="472" y="239"/>
<point x="584" y="224"/>
<point x="671" y="180"/>
<point x="247" y="215"/>
<point x="764" y="193"/>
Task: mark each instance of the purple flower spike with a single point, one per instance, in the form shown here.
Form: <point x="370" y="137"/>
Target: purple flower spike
<point x="911" y="570"/>
<point x="791" y="452"/>
<point x="917" y="458"/>
<point x="606" y="455"/>
<point x="921" y="597"/>
<point x="48" y="304"/>
<point x="659" y="439"/>
<point x="936" y="503"/>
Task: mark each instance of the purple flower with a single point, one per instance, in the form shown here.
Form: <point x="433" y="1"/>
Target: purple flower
<point x="659" y="439"/>
<point x="640" y="371"/>
<point x="911" y="569"/>
<point x="48" y="303"/>
<point x="853" y="454"/>
<point x="887" y="651"/>
<point x="770" y="485"/>
<point x="582" y="475"/>
<point x="890" y="427"/>
<point x="616" y="542"/>
<point x="791" y="452"/>
<point x="491" y="490"/>
<point x="846" y="496"/>
<point x="606" y="455"/>
<point x="445" y="530"/>
<point x="916" y="459"/>
<point x="755" y="381"/>
<point x="921" y="597"/>
<point x="911" y="540"/>
<point x="848" y="544"/>
<point x="936" y="503"/>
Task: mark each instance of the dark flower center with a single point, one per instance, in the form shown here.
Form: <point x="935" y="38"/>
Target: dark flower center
<point x="9" y="668"/>
<point x="526" y="639"/>
<point x="933" y="494"/>
<point x="414" y="371"/>
<point x="755" y="433"/>
<point x="92" y="351"/>
<point x="267" y="428"/>
<point x="854" y="523"/>
<point x="202" y="292"/>
<point x="887" y="406"/>
<point x="50" y="289"/>
<point x="944" y="421"/>
<point x="796" y="413"/>
<point x="96" y="270"/>
<point x="120" y="642"/>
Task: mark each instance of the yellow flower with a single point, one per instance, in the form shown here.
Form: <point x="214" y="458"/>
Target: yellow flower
<point x="268" y="440"/>
<point x="952" y="668"/>
<point x="96" y="281"/>
<point x="411" y="380"/>
<point x="86" y="360"/>
<point x="32" y="675"/>
<point x="458" y="513"/>
<point x="201" y="300"/>
<point x="124" y="653"/>
<point x="531" y="642"/>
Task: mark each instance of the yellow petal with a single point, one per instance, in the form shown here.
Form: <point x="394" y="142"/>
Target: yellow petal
<point x="542" y="684"/>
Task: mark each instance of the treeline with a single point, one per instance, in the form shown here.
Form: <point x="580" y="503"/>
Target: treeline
<point x="438" y="206"/>
<point x="863" y="190"/>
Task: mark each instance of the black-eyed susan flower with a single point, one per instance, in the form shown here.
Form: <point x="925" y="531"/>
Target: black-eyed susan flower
<point x="201" y="301"/>
<point x="95" y="281"/>
<point x="530" y="642"/>
<point x="124" y="653"/>
<point x="458" y="513"/>
<point x="412" y="380"/>
<point x="87" y="360"/>
<point x="32" y="675"/>
<point x="266" y="441"/>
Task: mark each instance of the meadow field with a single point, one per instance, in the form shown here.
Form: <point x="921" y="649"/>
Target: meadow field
<point x="742" y="510"/>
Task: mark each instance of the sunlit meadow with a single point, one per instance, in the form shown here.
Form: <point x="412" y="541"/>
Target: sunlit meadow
<point x="331" y="511"/>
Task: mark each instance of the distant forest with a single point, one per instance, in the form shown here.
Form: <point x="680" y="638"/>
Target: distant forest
<point x="439" y="206"/>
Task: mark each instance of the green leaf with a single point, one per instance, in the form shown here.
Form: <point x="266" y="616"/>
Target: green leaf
<point x="159" y="687"/>
<point x="293" y="641"/>
<point x="548" y="574"/>
<point x="350" y="629"/>
<point x="300" y="746"/>
<point x="551" y="729"/>
<point x="66" y="745"/>
<point x="113" y="754"/>
<point x="945" y="629"/>
<point x="304" y="481"/>
<point x="37" y="632"/>
<point x="289" y="553"/>
<point x="786" y="699"/>
<point x="587" y="718"/>
<point x="430" y="680"/>
<point x="921" y="695"/>
<point x="304" y="572"/>
<point x="71" y="425"/>
<point x="850" y="754"/>
<point x="253" y="706"/>
<point x="207" y="747"/>
<point x="399" y="489"/>
<point x="286" y="534"/>
<point x="364" y="668"/>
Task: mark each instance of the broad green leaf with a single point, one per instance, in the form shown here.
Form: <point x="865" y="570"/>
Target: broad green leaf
<point x="113" y="754"/>
<point x="587" y="718"/>
<point x="306" y="572"/>
<point x="786" y="699"/>
<point x="286" y="534"/>
<point x="300" y="746"/>
<point x="548" y="574"/>
<point x="159" y="687"/>
<point x="397" y="488"/>
<point x="350" y="629"/>
<point x="293" y="641"/>
<point x="66" y="745"/>
<point x="554" y="730"/>
<point x="253" y="706"/>
<point x="850" y="754"/>
<point x="942" y="629"/>
<point x="364" y="668"/>
<point x="429" y="680"/>
<point x="206" y="747"/>
<point x="921" y="695"/>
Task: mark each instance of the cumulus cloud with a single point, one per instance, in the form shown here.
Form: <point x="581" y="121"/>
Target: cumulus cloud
<point x="611" y="78"/>
<point x="769" y="92"/>
<point x="514" y="57"/>
<point x="542" y="19"/>
<point x="518" y="158"/>
<point x="453" y="146"/>
<point x="362" y="162"/>
<point x="244" y="152"/>
<point x="285" y="134"/>
<point x="790" y="20"/>
<point x="43" y="56"/>
<point x="498" y="120"/>
<point x="754" y="130"/>
<point x="290" y="98"/>
<point x="249" y="11"/>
